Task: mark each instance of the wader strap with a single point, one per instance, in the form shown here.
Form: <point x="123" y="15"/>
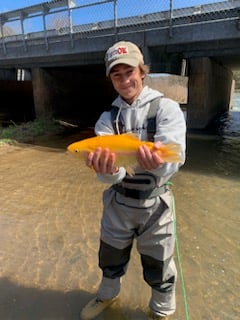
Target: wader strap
<point x="151" y="118"/>
<point x="140" y="194"/>
<point x="119" y="125"/>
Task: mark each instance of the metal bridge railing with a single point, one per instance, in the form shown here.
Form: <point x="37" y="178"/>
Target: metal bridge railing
<point x="93" y="18"/>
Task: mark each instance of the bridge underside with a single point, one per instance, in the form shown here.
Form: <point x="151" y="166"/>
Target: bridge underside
<point x="64" y="92"/>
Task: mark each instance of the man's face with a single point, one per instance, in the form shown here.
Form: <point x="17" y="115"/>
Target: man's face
<point x="127" y="81"/>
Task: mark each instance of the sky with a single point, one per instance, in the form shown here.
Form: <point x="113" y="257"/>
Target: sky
<point x="90" y="14"/>
<point x="8" y="5"/>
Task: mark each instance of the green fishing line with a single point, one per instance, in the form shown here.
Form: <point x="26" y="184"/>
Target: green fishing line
<point x="179" y="256"/>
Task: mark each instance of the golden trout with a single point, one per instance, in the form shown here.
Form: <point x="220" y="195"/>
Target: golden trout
<point x="125" y="147"/>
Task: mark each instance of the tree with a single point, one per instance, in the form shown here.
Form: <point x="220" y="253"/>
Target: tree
<point x="7" y="31"/>
<point x="58" y="23"/>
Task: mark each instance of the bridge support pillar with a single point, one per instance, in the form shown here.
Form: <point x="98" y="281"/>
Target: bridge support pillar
<point x="209" y="91"/>
<point x="42" y="83"/>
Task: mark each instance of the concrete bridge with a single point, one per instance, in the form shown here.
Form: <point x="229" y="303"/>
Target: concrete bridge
<point x="202" y="43"/>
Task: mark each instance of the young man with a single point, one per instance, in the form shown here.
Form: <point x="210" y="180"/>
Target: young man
<point x="139" y="206"/>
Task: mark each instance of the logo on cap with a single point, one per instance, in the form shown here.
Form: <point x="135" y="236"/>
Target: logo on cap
<point x="117" y="52"/>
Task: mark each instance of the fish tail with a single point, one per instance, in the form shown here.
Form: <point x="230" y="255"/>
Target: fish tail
<point x="173" y="147"/>
<point x="171" y="152"/>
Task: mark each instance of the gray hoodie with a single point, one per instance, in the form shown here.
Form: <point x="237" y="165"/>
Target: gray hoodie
<point x="170" y="128"/>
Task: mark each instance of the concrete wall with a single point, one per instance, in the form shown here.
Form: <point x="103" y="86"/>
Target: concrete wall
<point x="172" y="86"/>
<point x="209" y="91"/>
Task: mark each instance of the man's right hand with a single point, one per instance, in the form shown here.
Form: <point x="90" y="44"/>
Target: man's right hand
<point x="102" y="161"/>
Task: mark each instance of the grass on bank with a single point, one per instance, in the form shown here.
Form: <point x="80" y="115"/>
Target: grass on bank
<point x="27" y="131"/>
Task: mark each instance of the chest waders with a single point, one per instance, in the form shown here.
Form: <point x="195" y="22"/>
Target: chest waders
<point x="151" y="129"/>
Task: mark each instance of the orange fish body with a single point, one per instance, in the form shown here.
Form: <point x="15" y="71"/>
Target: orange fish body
<point x="125" y="146"/>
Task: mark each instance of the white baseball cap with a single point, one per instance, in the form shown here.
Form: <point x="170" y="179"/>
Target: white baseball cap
<point x="123" y="52"/>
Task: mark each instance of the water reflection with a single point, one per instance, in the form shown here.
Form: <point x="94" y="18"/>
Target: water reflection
<point x="229" y="124"/>
<point x="218" y="151"/>
<point x="228" y="145"/>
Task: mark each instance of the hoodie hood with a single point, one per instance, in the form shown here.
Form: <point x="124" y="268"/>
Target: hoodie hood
<point x="146" y="95"/>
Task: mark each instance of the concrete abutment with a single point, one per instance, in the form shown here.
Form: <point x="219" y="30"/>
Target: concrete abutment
<point x="209" y="91"/>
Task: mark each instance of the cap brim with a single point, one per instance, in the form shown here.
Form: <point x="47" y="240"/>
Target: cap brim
<point x="128" y="61"/>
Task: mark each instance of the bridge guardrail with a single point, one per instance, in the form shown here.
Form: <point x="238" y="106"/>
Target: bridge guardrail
<point x="105" y="17"/>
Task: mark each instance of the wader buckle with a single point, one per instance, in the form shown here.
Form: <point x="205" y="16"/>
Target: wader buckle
<point x="140" y="194"/>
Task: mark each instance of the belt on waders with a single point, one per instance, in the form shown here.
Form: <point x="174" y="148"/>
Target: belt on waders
<point x="140" y="194"/>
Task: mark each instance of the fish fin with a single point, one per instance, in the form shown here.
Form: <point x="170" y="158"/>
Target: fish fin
<point x="130" y="171"/>
<point x="130" y="135"/>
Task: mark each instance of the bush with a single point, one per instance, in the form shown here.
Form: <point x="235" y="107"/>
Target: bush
<point x="26" y="131"/>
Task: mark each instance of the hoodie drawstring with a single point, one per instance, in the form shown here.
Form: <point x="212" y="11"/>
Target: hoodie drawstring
<point x="117" y="120"/>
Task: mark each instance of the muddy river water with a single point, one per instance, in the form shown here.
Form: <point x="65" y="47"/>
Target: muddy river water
<point x="49" y="232"/>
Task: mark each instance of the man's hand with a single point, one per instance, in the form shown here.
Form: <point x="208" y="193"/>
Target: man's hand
<point x="102" y="161"/>
<point x="149" y="159"/>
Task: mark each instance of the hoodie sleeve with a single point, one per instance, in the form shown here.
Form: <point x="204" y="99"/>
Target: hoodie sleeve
<point x="171" y="128"/>
<point x="103" y="125"/>
<point x="112" y="178"/>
